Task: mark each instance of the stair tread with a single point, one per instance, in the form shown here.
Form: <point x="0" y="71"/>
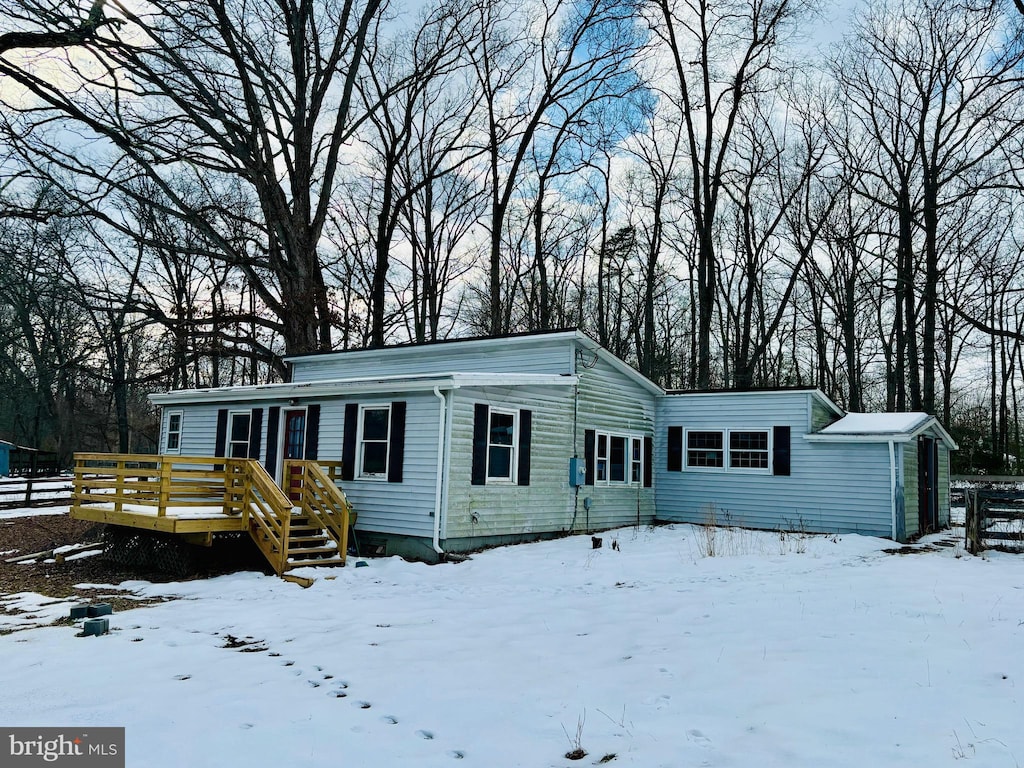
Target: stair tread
<point x="306" y="563"/>
<point x="311" y="550"/>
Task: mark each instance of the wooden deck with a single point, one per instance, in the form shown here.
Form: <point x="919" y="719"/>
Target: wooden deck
<point x="201" y="495"/>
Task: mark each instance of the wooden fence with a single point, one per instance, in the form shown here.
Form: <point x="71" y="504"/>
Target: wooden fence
<point x="35" y="492"/>
<point x="994" y="520"/>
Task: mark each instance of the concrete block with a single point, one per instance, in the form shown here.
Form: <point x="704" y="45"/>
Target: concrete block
<point x="101" y="609"/>
<point x="95" y="627"/>
<point x="79" y="611"/>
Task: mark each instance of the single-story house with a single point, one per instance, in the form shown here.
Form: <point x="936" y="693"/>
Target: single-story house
<point x="454" y="445"/>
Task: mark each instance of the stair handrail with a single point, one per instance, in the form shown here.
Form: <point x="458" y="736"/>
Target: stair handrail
<point x="326" y="504"/>
<point x="266" y="510"/>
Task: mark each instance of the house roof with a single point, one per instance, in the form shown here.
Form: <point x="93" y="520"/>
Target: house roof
<point x="815" y="393"/>
<point x="335" y="387"/>
<point x="525" y="336"/>
<point x="882" y="427"/>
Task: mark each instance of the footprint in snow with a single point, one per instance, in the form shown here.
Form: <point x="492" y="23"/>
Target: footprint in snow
<point x="458" y="754"/>
<point x="428" y="735"/>
<point x="313" y="683"/>
<point x="698" y="738"/>
<point x="363" y="704"/>
<point x="183" y="677"/>
<point x="659" y="702"/>
<point x="389" y="719"/>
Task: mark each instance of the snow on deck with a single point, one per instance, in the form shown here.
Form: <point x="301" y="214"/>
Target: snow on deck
<point x="182" y="513"/>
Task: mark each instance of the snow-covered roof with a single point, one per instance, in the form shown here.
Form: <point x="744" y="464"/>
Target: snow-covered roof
<point x="876" y="423"/>
<point x="882" y="427"/>
<point x="337" y="387"/>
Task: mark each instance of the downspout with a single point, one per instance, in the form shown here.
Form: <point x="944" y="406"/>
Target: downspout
<point x="438" y="496"/>
<point x="892" y="487"/>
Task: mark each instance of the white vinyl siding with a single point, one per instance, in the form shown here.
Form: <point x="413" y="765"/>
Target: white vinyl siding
<point x="542" y="355"/>
<point x="611" y="403"/>
<point x="507" y="508"/>
<point x="831" y="486"/>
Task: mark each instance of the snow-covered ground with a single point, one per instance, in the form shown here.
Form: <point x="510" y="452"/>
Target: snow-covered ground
<point x="778" y="651"/>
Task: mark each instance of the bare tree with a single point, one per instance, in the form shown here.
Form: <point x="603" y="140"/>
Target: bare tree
<point x="221" y="93"/>
<point x="538" y="75"/>
<point x="722" y="54"/>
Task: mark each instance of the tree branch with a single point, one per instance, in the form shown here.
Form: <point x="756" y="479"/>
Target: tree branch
<point x="80" y="35"/>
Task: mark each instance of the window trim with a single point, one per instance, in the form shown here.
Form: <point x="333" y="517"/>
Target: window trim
<point x="179" y="432"/>
<point x="631" y="439"/>
<point x="513" y="463"/>
<point x="361" y="474"/>
<point x="727" y="451"/>
<point x="228" y="442"/>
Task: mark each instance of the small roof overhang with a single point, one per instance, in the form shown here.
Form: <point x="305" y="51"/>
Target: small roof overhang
<point x="882" y="428"/>
<point x="342" y="387"/>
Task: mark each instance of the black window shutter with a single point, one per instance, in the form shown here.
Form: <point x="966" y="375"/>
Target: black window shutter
<point x="525" y="428"/>
<point x="780" y="451"/>
<point x="312" y="431"/>
<point x="648" y="461"/>
<point x="255" y="430"/>
<point x="675" y="450"/>
<point x="222" y="432"/>
<point x="396" y="442"/>
<point x="478" y="476"/>
<point x="348" y="446"/>
<point x="273" y="420"/>
<point x="589" y="442"/>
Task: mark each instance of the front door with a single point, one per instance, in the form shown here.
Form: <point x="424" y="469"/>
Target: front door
<point x="928" y="484"/>
<point x="294" y="447"/>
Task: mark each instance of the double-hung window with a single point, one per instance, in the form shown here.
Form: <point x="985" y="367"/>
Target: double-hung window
<point x="705" y="450"/>
<point x="239" y="431"/>
<point x="618" y="459"/>
<point x="173" y="440"/>
<point x="748" y="449"/>
<point x="501" y="445"/>
<point x="374" y="429"/>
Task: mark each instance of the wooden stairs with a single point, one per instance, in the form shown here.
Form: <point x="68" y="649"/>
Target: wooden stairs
<point x="306" y="543"/>
<point x="307" y="525"/>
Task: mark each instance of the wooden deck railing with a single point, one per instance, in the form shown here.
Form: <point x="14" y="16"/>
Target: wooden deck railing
<point x="154" y="483"/>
